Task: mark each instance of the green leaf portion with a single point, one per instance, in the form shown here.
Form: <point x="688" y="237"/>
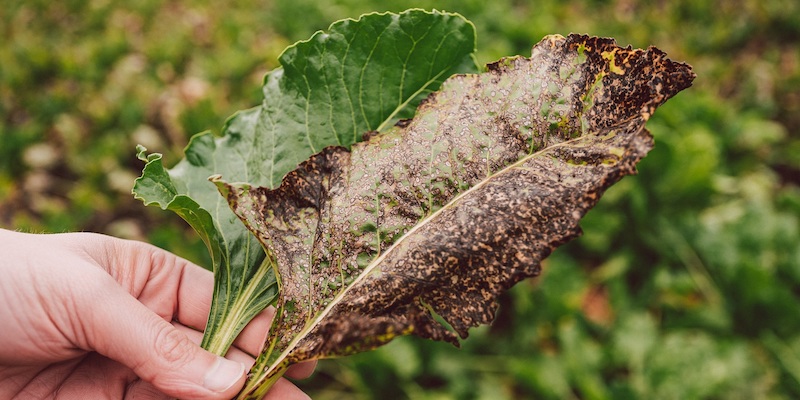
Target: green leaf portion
<point x="242" y="286"/>
<point x="434" y="220"/>
<point x="362" y="75"/>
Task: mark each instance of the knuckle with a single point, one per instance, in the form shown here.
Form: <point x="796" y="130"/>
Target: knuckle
<point x="174" y="347"/>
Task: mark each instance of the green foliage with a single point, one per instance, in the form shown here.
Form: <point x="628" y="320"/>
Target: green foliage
<point x="685" y="284"/>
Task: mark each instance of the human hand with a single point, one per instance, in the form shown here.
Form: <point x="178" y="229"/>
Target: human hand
<point x="85" y="315"/>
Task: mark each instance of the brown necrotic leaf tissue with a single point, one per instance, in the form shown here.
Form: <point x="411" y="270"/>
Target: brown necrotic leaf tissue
<point x="438" y="216"/>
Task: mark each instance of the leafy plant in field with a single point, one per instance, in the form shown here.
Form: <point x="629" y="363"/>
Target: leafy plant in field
<point x="416" y="230"/>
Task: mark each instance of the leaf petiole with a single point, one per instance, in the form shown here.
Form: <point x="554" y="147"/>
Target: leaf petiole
<point x="247" y="303"/>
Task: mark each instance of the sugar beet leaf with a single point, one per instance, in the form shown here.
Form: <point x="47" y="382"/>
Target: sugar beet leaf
<point x="418" y="230"/>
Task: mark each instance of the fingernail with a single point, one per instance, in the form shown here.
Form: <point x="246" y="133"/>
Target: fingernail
<point x="223" y="374"/>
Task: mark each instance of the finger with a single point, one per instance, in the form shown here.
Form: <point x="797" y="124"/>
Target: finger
<point x="285" y="390"/>
<point x="234" y="353"/>
<point x="140" y="389"/>
<point x="252" y="338"/>
<point x="192" y="287"/>
<point x="298" y="371"/>
<point x="302" y="370"/>
<point x="118" y="326"/>
<point x="282" y="390"/>
<point x="38" y="383"/>
<point x="143" y="390"/>
<point x="169" y="285"/>
<point x="102" y="377"/>
<point x="194" y="293"/>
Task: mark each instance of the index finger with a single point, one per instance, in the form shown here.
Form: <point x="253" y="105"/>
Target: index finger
<point x="177" y="289"/>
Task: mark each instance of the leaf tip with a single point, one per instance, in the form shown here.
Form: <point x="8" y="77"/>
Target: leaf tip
<point x="220" y="183"/>
<point x="141" y="153"/>
<point x="553" y="40"/>
<point x="225" y="188"/>
<point x="140" y="150"/>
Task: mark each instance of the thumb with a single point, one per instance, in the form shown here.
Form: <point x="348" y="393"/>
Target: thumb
<point x="123" y="329"/>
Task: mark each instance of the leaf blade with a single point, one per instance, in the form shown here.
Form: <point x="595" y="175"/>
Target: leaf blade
<point x="532" y="127"/>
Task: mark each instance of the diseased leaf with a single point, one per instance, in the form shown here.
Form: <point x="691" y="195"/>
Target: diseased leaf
<point x="418" y="230"/>
<point x="361" y="75"/>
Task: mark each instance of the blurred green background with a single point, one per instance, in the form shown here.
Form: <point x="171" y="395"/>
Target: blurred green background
<point x="686" y="284"/>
